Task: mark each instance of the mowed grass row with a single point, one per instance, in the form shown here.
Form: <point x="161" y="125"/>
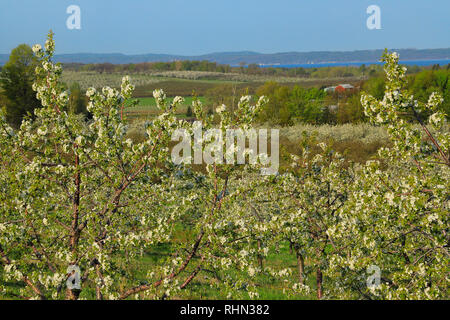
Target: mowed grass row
<point x="146" y="103"/>
<point x="146" y="108"/>
<point x="268" y="287"/>
<point x="186" y="88"/>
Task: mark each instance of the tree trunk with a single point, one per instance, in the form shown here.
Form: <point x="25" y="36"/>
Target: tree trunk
<point x="319" y="284"/>
<point x="260" y="258"/>
<point x="301" y="267"/>
<point x="72" y="294"/>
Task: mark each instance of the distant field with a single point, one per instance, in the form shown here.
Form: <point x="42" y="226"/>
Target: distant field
<point x="150" y="101"/>
<point x="149" y="104"/>
<point x="146" y="108"/>
<point x="88" y="79"/>
<point x="184" y="82"/>
<point x="176" y="87"/>
<point x="240" y="77"/>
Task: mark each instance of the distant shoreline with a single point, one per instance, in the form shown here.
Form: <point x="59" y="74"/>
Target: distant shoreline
<point x="422" y="63"/>
<point x="420" y="57"/>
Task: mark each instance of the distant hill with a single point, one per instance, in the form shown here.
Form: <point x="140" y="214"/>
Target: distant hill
<point x="248" y="57"/>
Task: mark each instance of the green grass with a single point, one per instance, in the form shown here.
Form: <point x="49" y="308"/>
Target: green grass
<point x="176" y="87"/>
<point x="150" y="102"/>
<point x="267" y="287"/>
<point x="146" y="108"/>
<point x="199" y="80"/>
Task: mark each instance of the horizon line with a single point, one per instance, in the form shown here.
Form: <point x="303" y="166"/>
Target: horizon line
<point x="239" y="52"/>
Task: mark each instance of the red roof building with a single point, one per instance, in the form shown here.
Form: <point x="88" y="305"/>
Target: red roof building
<point x="339" y="89"/>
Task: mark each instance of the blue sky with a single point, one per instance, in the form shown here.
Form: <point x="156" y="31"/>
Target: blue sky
<point x="203" y="26"/>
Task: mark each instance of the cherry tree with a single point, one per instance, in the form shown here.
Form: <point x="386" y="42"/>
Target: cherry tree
<point x="219" y="243"/>
<point x="392" y="233"/>
<point x="314" y="189"/>
<point x="79" y="200"/>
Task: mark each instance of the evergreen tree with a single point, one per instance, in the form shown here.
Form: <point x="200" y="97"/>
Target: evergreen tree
<point x="16" y="80"/>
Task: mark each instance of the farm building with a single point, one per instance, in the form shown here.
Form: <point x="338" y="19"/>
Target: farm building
<point x="340" y="88"/>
